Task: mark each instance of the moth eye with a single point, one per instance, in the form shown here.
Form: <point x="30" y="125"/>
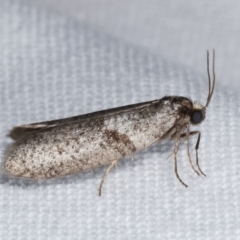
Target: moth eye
<point x="196" y="117"/>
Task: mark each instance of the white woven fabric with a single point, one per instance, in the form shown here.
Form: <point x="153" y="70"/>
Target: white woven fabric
<point x="54" y="66"/>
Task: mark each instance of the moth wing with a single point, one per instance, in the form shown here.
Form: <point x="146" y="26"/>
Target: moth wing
<point x="23" y="130"/>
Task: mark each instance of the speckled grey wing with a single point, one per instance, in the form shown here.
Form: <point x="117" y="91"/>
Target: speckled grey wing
<point x="23" y="130"/>
<point x="68" y="146"/>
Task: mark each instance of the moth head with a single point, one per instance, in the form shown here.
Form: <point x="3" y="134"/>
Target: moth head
<point x="198" y="112"/>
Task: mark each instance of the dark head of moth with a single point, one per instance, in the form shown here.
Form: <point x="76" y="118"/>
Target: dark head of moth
<point x="197" y="116"/>
<point x="71" y="145"/>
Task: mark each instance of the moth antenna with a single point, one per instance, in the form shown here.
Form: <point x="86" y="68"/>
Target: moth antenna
<point x="214" y="76"/>
<point x="209" y="78"/>
<point x="211" y="84"/>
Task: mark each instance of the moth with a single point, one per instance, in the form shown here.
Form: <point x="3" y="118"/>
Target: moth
<point x="71" y="145"/>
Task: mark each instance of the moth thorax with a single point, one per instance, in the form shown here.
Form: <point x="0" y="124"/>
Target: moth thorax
<point x="198" y="113"/>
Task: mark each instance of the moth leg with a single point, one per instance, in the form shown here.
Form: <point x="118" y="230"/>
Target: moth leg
<point x="186" y="135"/>
<point x="175" y="160"/>
<point x="196" y="148"/>
<point x="114" y="163"/>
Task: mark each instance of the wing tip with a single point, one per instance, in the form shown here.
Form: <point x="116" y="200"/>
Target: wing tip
<point x="21" y="131"/>
<point x="16" y="132"/>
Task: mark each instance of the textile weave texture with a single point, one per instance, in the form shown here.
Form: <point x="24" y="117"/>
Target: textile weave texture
<point x="53" y="66"/>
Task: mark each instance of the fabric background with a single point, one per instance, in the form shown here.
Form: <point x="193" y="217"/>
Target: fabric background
<point x="59" y="60"/>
